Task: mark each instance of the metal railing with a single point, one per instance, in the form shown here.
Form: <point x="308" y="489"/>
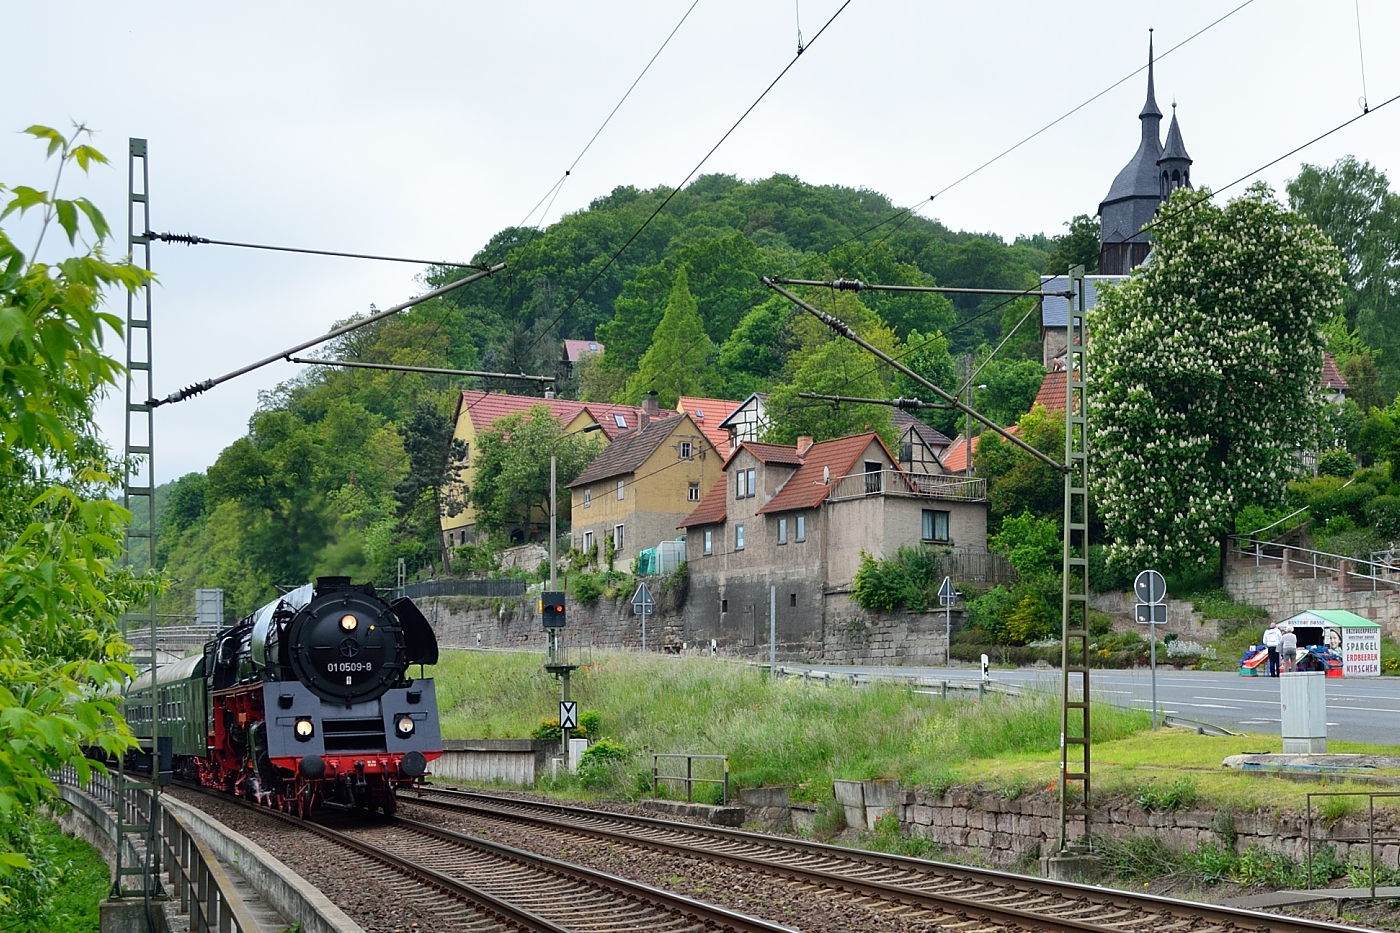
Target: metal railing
<point x="1350" y="572"/>
<point x="689" y="780"/>
<point x="1370" y="839"/>
<point x="205" y="890"/>
<point x="908" y="485"/>
<point x="940" y="686"/>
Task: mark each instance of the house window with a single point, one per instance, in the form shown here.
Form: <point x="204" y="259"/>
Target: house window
<point x="782" y="530"/>
<point x="873" y="477"/>
<point x="619" y="420"/>
<point x="738" y="537"/>
<point x="792" y="600"/>
<point x="617" y="538"/>
<point x="588" y="542"/>
<point x="724" y="605"/>
<point x="801" y="521"/>
<point x="621" y="487"/>
<point x="741" y="485"/>
<point x="753" y="487"/>
<point x="709" y="541"/>
<point x="694" y="493"/>
<point x="685" y="450"/>
<point x="588" y="498"/>
<point x="935" y="525"/>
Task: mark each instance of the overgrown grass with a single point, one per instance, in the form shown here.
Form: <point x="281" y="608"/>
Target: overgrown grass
<point x="62" y="893"/>
<point x="786" y="732"/>
<point x="1174" y="769"/>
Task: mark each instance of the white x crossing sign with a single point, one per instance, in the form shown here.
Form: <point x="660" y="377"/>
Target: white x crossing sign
<point x="568" y="714"/>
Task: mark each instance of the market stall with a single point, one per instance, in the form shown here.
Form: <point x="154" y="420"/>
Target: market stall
<point x="1334" y="641"/>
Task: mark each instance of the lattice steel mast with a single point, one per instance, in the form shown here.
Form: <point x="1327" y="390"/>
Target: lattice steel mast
<point x="138" y="497"/>
<point x="1074" y="645"/>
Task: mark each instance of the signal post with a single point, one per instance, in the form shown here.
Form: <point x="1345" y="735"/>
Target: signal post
<point x="552" y="614"/>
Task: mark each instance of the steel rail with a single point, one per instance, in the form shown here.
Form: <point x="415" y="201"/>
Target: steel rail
<point x="1154" y="908"/>
<point x="706" y="916"/>
<point x="484" y="901"/>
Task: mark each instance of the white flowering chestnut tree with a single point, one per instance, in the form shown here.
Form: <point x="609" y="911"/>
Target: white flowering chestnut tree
<point x="1204" y="375"/>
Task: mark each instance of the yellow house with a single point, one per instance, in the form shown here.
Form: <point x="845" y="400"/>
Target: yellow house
<point x="477" y="411"/>
<point x="642" y="486"/>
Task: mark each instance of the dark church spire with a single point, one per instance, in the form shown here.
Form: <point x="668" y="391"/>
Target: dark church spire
<point x="1149" y="109"/>
<point x="1174" y="166"/>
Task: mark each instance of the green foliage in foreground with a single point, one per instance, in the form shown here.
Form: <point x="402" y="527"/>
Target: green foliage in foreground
<point x="61" y="892"/>
<point x="61" y="592"/>
<point x="786" y="732"/>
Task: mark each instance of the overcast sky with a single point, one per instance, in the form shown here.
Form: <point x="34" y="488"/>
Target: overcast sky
<point x="420" y="129"/>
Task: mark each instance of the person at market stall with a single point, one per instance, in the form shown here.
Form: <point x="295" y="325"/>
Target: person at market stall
<point x="1271" y="640"/>
<point x="1288" y="650"/>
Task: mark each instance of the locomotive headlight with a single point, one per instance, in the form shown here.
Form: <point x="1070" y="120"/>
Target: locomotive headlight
<point x="349" y="623"/>
<point x="304" y="729"/>
<point x="404" y="726"/>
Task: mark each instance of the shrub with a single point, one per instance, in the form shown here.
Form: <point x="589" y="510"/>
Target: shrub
<point x="1336" y="462"/>
<point x="1032" y="545"/>
<point x="587" y="587"/>
<point x="547" y="729"/>
<point x="590" y="723"/>
<point x="909" y="578"/>
<point x="1349" y="502"/>
<point x="603" y="752"/>
<point x="1384" y="513"/>
<point x="1178" y="795"/>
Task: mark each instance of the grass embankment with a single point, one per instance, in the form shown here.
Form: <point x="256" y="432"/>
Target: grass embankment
<point x="786" y="732"/>
<point x="69" y="879"/>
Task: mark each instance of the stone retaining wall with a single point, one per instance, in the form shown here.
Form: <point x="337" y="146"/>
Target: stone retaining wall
<point x="1286" y="594"/>
<point x="850" y="635"/>
<point x="1003" y="832"/>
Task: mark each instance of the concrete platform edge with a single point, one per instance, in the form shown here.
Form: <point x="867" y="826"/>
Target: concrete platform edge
<point x="289" y="893"/>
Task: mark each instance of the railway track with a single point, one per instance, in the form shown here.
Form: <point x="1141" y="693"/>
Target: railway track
<point x="955" y="896"/>
<point x="492" y="886"/>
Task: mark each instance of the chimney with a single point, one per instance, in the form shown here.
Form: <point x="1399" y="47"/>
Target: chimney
<point x="548" y="394"/>
<point x="650" y="408"/>
<point x="804" y="444"/>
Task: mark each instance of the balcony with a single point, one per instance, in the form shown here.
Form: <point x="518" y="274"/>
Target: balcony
<point x="908" y="485"/>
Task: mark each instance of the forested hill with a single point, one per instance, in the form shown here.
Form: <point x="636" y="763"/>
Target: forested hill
<point x="340" y="470"/>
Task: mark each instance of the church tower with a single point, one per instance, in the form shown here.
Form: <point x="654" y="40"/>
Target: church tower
<point x="1148" y="178"/>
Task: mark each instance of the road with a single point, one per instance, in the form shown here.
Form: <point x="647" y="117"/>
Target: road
<point x="1358" y="710"/>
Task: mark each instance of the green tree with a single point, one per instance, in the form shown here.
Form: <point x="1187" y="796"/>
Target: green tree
<point x="1206" y="374"/>
<point x="678" y="361"/>
<point x="1352" y="203"/>
<point x="512" y="470"/>
<point x="927" y="355"/>
<point x="1010" y="388"/>
<point x="61" y="591"/>
<point x="434" y="457"/>
<point x="832" y="365"/>
<point x="1017" y="482"/>
<point x="1032" y="544"/>
<point x="1077" y="246"/>
<point x="755" y="351"/>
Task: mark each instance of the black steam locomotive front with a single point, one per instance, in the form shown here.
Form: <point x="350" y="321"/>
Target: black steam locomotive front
<point x="313" y="692"/>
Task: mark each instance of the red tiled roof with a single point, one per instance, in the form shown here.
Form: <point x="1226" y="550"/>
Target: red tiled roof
<point x="484" y="408"/>
<point x="606" y="415"/>
<point x="712" y="508"/>
<point x="1332" y="378"/>
<point x="629" y="451"/>
<point x="1052" y="391"/>
<point x="573" y="349"/>
<point x="805" y="489"/>
<point x="707" y="414"/>
<point x="954" y="459"/>
<point x="781" y="454"/>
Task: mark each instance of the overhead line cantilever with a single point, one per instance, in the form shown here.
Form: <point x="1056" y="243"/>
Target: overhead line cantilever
<point x="856" y="285"/>
<point x="206" y="385"/>
<point x="844" y="329"/>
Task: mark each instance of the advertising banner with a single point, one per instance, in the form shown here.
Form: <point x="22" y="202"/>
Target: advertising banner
<point x="1361" y="652"/>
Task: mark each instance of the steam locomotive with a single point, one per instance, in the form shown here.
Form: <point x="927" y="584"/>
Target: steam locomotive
<point x="307" y="700"/>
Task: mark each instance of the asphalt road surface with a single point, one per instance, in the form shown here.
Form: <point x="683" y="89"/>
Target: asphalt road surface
<point x="1358" y="710"/>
